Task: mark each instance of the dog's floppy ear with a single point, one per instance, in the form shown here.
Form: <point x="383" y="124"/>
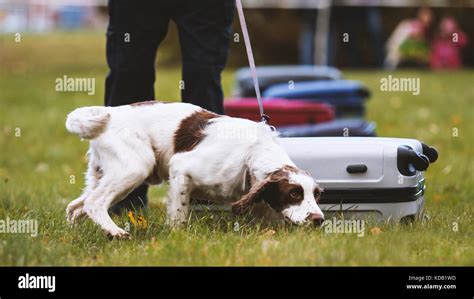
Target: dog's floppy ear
<point x="254" y="195"/>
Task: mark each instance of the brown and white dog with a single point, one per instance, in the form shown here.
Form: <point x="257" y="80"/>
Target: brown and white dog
<point x="202" y="155"/>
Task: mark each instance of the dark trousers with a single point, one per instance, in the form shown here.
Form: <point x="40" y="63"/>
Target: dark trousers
<point x="135" y="31"/>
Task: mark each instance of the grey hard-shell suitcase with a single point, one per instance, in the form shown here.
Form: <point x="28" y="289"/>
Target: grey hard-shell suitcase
<point x="379" y="178"/>
<point x="366" y="176"/>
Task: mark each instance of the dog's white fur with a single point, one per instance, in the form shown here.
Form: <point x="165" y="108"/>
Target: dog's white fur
<point x="128" y="143"/>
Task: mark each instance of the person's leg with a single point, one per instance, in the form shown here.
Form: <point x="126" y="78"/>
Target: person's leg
<point x="134" y="33"/>
<point x="350" y="24"/>
<point x="306" y="42"/>
<point x="375" y="27"/>
<point x="205" y="30"/>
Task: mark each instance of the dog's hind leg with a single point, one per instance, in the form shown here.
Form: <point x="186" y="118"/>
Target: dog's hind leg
<point x="126" y="160"/>
<point x="75" y="210"/>
<point x="112" y="188"/>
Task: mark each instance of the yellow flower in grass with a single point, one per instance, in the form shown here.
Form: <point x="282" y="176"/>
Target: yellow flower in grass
<point x="375" y="230"/>
<point x="455" y="119"/>
<point x="137" y="220"/>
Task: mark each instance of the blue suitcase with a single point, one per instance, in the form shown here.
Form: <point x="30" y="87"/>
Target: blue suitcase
<point x="277" y="74"/>
<point x="348" y="97"/>
<point x="341" y="127"/>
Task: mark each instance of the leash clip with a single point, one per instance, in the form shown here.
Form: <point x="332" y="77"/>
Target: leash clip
<point x="265" y="118"/>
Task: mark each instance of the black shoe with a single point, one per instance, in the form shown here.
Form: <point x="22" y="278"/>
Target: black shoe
<point x="136" y="200"/>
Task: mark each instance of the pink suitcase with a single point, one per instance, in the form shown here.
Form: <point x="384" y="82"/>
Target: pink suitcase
<point x="282" y="112"/>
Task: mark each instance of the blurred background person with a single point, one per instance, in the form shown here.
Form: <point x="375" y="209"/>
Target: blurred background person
<point x="447" y="45"/>
<point x="409" y="43"/>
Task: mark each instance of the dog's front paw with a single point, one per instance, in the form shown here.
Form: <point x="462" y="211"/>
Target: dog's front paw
<point x="118" y="233"/>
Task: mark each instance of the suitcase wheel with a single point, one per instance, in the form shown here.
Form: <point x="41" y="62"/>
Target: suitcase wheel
<point x="430" y="152"/>
<point x="409" y="161"/>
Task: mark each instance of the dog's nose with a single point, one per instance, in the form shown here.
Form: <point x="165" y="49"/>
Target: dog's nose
<point x="316" y="219"/>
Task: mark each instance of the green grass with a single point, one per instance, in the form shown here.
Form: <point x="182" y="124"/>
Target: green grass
<point x="36" y="169"/>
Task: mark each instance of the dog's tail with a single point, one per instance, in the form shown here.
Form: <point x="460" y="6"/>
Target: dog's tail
<point x="88" y="122"/>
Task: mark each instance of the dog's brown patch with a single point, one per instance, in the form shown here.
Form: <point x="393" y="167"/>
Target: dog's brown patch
<point x="191" y="130"/>
<point x="274" y="190"/>
<point x="290" y="168"/>
<point x="278" y="194"/>
<point x="145" y="103"/>
<point x="294" y="169"/>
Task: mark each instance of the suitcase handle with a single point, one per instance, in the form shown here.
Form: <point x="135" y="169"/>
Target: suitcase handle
<point x="356" y="168"/>
<point x="408" y="161"/>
